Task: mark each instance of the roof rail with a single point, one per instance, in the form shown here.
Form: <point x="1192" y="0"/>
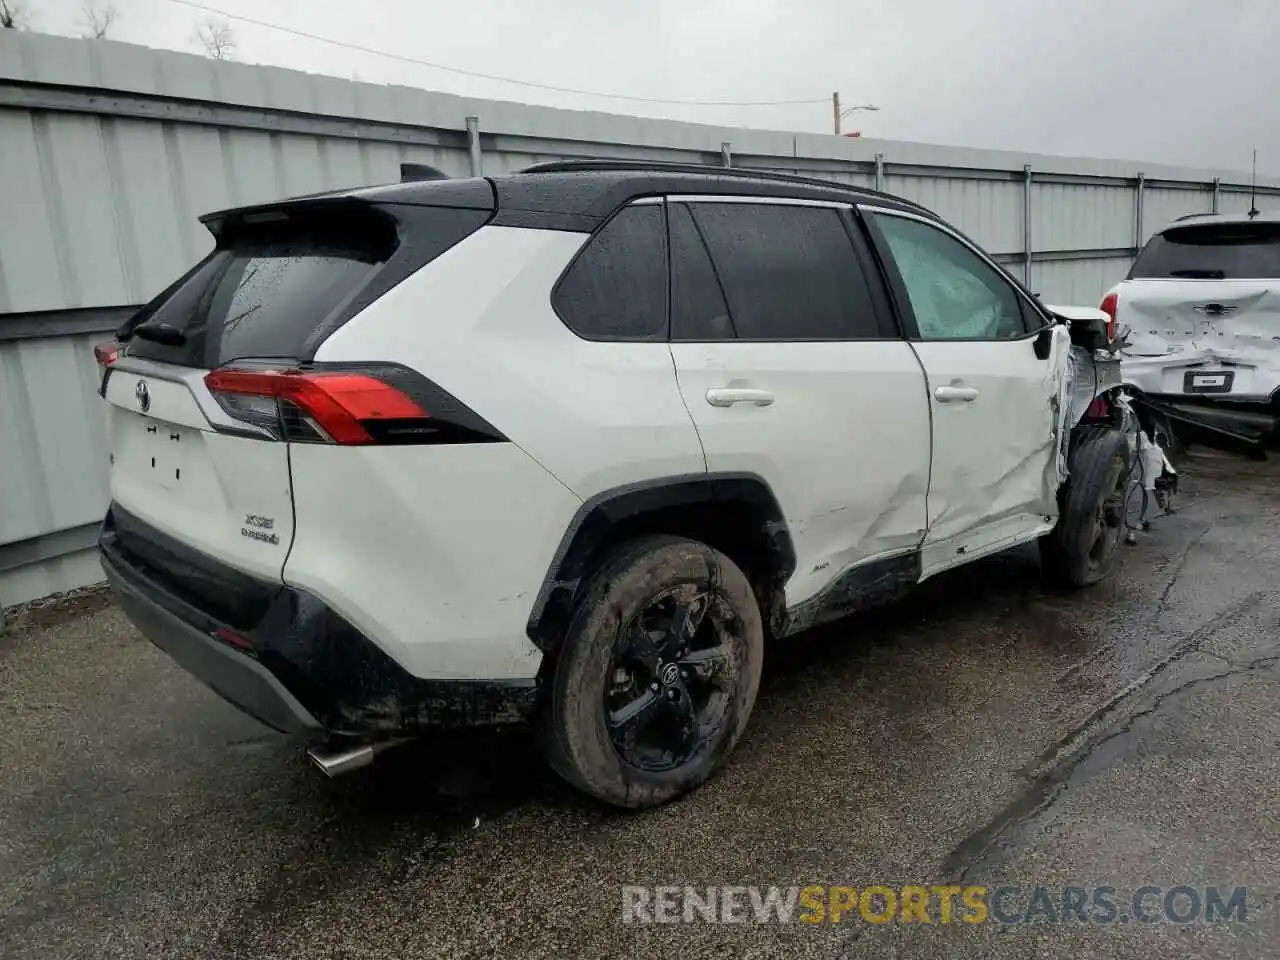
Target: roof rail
<point x="1191" y="216"/>
<point x="665" y="166"/>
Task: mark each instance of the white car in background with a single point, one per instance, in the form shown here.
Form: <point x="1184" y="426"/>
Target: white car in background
<point x="1202" y="311"/>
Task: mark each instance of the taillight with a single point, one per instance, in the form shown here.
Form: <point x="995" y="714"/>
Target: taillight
<point x="106" y="353"/>
<point x="1108" y="306"/>
<point x="378" y="404"/>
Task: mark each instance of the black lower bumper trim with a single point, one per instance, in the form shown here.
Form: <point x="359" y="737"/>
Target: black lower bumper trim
<point x="304" y="669"/>
<point x="235" y="676"/>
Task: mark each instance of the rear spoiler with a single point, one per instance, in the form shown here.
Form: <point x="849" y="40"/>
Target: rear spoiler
<point x="413" y="172"/>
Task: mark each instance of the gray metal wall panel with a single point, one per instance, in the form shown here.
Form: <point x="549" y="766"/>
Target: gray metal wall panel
<point x="1238" y="201"/>
<point x="1080" y="282"/>
<point x="1162" y="205"/>
<point x="1081" y="216"/>
<point x="52" y="429"/>
<point x="31" y="268"/>
<point x="32" y="581"/>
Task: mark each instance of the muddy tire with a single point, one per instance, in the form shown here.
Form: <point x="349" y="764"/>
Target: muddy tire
<point x="657" y="675"/>
<point x="1082" y="549"/>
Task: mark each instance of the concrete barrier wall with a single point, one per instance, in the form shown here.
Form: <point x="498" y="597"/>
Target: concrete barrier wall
<point x="109" y="152"/>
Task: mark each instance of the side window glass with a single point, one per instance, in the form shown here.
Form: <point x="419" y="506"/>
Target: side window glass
<point x="698" y="308"/>
<point x="616" y="289"/>
<point x="954" y="294"/>
<point x="787" y="272"/>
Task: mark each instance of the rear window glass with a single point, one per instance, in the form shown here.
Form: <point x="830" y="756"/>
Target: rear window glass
<point x="277" y="287"/>
<point x="1249" y="251"/>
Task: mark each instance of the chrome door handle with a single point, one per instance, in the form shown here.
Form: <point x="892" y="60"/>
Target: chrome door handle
<point x="728" y="396"/>
<point x="948" y="394"/>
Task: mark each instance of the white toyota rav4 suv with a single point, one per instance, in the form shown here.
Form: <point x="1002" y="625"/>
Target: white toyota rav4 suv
<point x="572" y="443"/>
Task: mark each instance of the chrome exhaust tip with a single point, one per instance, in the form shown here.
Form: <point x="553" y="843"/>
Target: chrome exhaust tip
<point x="336" y="763"/>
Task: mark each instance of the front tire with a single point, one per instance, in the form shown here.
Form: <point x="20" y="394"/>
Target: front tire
<point x="657" y="675"/>
<point x="1082" y="549"/>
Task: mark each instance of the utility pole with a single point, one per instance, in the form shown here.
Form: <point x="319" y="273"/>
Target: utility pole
<point x="837" y="114"/>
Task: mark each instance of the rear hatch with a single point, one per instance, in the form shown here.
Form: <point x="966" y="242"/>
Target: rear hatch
<point x="1207" y="298"/>
<point x="214" y="380"/>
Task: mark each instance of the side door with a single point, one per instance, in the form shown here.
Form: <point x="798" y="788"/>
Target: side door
<point x="993" y="481"/>
<point x="789" y="363"/>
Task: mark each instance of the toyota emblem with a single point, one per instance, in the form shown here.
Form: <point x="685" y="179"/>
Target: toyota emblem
<point x="142" y="395"/>
<point x="670" y="674"/>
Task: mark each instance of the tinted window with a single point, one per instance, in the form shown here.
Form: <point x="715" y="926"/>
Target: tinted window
<point x="788" y="273"/>
<point x="954" y="293"/>
<point x="698" y="308"/>
<point x="617" y="287"/>
<point x="254" y="301"/>
<point x="277" y="287"/>
<point x="1249" y="251"/>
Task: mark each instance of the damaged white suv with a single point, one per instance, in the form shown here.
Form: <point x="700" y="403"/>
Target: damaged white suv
<point x="575" y="443"/>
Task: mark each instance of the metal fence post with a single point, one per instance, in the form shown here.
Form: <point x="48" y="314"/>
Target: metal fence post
<point x="1142" y="188"/>
<point x="726" y="154"/>
<point x="1026" y="224"/>
<point x="879" y="171"/>
<point x="1217" y="184"/>
<point x="473" y="146"/>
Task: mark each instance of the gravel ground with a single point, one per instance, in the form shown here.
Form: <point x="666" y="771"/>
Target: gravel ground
<point x="986" y="731"/>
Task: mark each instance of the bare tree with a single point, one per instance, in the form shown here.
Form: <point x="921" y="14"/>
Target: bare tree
<point x="13" y="14"/>
<point x="98" y="18"/>
<point x="216" y="38"/>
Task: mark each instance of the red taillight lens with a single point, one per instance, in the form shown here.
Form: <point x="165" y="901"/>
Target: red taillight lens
<point x="106" y="353"/>
<point x="1109" y="305"/>
<point x="339" y="403"/>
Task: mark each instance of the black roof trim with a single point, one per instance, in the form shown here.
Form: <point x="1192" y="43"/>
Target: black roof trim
<point x="695" y="169"/>
<point x="580" y="195"/>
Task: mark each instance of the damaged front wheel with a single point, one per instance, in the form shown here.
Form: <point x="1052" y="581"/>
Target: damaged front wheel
<point x="1082" y="548"/>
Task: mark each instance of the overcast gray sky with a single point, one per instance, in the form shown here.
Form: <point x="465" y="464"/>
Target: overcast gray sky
<point x="1176" y="81"/>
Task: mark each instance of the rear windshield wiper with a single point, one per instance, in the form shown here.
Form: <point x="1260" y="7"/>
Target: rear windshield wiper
<point x="1199" y="274"/>
<point x="165" y="334"/>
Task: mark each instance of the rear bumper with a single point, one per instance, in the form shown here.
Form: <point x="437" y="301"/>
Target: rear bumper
<point x="296" y="665"/>
<point x="236" y="677"/>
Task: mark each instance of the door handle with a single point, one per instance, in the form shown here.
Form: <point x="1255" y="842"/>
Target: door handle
<point x="948" y="394"/>
<point x="728" y="396"/>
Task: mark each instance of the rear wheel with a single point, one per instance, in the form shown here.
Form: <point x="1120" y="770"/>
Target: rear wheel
<point x="658" y="673"/>
<point x="1082" y="548"/>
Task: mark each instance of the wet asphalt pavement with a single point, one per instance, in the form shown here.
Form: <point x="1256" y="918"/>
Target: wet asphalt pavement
<point x="987" y="730"/>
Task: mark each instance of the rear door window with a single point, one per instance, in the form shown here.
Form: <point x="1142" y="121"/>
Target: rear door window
<point x="1235" y="251"/>
<point x="783" y="272"/>
<point x="616" y="288"/>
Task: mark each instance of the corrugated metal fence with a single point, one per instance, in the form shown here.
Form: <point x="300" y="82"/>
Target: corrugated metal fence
<point x="109" y="152"/>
